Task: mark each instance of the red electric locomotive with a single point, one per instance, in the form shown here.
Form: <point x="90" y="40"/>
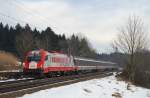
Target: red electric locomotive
<point x="43" y="62"/>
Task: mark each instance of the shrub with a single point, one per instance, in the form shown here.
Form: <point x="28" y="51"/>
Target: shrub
<point x="7" y="61"/>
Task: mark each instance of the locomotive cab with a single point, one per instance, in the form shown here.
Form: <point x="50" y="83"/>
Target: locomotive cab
<point x="34" y="62"/>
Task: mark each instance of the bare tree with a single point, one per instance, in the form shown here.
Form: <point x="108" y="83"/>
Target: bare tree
<point x="131" y="40"/>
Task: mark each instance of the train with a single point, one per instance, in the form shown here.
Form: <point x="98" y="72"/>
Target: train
<point x="42" y="62"/>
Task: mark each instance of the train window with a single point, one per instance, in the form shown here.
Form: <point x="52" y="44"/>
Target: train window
<point x="46" y="58"/>
<point x="34" y="58"/>
<point x="49" y="58"/>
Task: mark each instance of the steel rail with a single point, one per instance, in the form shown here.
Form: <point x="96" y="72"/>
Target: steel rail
<point x="42" y="83"/>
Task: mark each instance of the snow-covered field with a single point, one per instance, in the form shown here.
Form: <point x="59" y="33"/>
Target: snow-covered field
<point x="107" y="87"/>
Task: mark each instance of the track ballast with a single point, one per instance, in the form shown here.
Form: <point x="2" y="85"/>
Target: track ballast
<point x="12" y="90"/>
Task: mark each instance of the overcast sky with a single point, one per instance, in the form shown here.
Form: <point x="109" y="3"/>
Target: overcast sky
<point x="98" y="20"/>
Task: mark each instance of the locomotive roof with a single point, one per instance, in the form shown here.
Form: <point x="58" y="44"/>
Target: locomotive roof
<point x="57" y="54"/>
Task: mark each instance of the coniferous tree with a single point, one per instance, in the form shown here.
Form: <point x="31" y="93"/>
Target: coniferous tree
<point x="13" y="37"/>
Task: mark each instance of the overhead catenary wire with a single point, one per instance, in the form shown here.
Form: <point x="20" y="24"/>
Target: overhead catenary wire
<point x="33" y="13"/>
<point x="14" y="19"/>
<point x="28" y="12"/>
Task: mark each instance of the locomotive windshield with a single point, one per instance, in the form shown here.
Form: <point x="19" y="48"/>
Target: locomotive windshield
<point x="34" y="57"/>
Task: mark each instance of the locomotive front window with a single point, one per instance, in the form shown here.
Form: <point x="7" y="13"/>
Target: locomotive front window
<point x="34" y="58"/>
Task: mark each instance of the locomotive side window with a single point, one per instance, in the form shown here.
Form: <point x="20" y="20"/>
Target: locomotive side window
<point x="49" y="58"/>
<point x="46" y="58"/>
<point x="47" y="62"/>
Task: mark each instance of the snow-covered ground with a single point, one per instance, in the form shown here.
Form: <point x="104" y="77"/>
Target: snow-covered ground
<point x="107" y="87"/>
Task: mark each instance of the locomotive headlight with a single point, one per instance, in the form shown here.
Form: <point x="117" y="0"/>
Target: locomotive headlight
<point x="32" y="65"/>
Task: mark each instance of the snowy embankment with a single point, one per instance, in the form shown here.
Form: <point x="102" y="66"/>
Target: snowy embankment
<point x="108" y="87"/>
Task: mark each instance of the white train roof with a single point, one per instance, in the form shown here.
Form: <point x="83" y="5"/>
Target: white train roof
<point x="92" y="60"/>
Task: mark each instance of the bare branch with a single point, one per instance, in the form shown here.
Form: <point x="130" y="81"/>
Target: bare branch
<point x="131" y="40"/>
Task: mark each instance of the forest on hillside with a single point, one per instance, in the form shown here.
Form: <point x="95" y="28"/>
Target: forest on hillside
<point x="18" y="40"/>
<point x="21" y="39"/>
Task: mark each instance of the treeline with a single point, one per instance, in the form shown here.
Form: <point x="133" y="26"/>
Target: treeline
<point x="116" y="57"/>
<point x="18" y="40"/>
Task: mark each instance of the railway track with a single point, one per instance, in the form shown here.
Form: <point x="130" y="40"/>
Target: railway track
<point x="15" y="81"/>
<point x="20" y="88"/>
